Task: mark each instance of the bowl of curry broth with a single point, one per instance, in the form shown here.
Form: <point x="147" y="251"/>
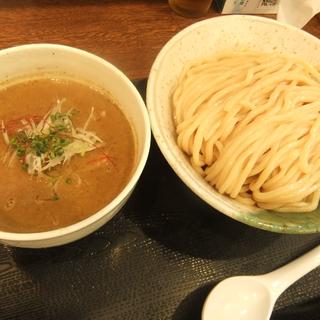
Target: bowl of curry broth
<point x="74" y="139"/>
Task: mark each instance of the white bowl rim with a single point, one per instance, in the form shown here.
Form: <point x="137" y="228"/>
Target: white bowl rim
<point x="60" y="232"/>
<point x="224" y="208"/>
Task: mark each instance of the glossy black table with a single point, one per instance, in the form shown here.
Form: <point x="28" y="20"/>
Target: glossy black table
<point x="157" y="259"/>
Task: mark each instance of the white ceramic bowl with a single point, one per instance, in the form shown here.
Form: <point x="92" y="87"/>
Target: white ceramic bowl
<point x="203" y="39"/>
<point x="26" y="59"/>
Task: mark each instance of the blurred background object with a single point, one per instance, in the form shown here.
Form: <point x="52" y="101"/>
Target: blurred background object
<point x="298" y="12"/>
<point x="190" y="8"/>
<point x="247" y="6"/>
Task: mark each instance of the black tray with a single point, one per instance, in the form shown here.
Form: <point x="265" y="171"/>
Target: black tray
<point x="157" y="259"/>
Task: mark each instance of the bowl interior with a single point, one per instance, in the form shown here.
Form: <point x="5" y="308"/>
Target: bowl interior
<point x="22" y="61"/>
<point x="204" y="39"/>
<point x="71" y="62"/>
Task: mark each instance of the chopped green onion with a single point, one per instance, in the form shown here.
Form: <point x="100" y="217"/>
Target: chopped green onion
<point x="53" y="141"/>
<point x="55" y="197"/>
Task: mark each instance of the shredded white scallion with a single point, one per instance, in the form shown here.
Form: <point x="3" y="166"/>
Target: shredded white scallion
<point x="89" y="119"/>
<point x="13" y="156"/>
<point x="82" y="142"/>
<point x="36" y="156"/>
<point x="4" y="133"/>
<point x="6" y="155"/>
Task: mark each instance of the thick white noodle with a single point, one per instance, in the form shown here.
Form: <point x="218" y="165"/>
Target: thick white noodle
<point x="250" y="123"/>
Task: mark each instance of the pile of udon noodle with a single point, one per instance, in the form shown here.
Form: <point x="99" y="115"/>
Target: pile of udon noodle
<point x="250" y="124"/>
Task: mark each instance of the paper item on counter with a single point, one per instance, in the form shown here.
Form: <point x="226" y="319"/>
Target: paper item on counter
<point x="297" y="12"/>
<point x="247" y="6"/>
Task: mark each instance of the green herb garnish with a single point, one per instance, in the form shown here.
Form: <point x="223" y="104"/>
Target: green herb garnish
<point x="53" y="140"/>
<point x="51" y="144"/>
<point x="68" y="181"/>
<point x="19" y="142"/>
<point x="55" y="197"/>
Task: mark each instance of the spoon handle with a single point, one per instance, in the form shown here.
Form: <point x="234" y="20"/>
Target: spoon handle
<point x="280" y="279"/>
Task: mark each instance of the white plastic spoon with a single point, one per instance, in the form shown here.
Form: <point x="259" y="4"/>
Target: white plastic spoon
<point x="253" y="297"/>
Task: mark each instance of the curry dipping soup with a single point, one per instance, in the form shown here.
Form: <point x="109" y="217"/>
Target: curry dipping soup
<point x="66" y="151"/>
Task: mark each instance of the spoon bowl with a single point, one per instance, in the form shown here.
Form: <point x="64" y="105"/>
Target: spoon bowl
<point x="253" y="297"/>
<point x="244" y="296"/>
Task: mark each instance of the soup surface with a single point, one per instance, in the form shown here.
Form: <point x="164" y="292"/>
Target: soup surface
<point x="66" y="150"/>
